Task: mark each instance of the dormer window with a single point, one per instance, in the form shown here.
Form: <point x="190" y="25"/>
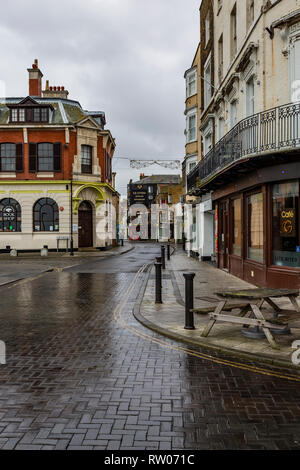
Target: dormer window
<point x="44" y="115"/>
<point x="18" y="115"/>
<point x="29" y="115"/>
<point x="29" y="110"/>
<point x="21" y="115"/>
<point x="14" y="115"/>
<point x="37" y="115"/>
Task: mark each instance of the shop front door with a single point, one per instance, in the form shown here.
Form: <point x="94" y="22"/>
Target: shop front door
<point x="223" y="236"/>
<point x="85" y="225"/>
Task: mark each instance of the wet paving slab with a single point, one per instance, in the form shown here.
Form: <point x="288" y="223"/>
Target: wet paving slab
<point x="81" y="373"/>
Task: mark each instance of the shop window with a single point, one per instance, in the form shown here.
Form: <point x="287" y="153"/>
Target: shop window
<point x="236" y="208"/>
<point x="285" y="224"/>
<point x="255" y="232"/>
<point x="10" y="215"/>
<point x="45" y="216"/>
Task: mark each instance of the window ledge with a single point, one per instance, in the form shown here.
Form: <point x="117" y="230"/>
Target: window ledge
<point x="7" y="174"/>
<point x="45" y="175"/>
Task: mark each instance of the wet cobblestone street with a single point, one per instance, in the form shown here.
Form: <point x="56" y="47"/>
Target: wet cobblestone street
<point x="76" y="378"/>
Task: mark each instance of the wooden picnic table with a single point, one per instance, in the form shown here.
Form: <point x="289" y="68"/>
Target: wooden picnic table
<point x="266" y="295"/>
<point x="250" y="314"/>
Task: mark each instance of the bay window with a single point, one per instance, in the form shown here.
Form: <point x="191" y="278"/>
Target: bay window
<point x="192" y="127"/>
<point x="191" y="84"/>
<point x="207" y="83"/>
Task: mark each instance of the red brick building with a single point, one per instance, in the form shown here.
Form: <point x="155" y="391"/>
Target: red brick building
<point x="55" y="171"/>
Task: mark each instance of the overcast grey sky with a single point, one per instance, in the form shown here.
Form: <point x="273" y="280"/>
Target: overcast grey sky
<point x="125" y="57"/>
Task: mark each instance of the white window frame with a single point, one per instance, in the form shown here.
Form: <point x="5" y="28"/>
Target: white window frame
<point x="294" y="76"/>
<point x="191" y="78"/>
<point x="233" y="117"/>
<point x="207" y="79"/>
<point x="207" y="134"/>
<point x="250" y="100"/>
<point x="221" y="130"/>
<point x="189" y="138"/>
<point x="207" y="28"/>
<point x="190" y="160"/>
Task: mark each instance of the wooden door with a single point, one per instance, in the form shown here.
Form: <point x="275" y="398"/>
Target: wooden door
<point x="223" y="235"/>
<point x="85" y="225"/>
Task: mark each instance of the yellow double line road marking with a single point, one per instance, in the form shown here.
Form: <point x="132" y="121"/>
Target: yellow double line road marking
<point x="118" y="316"/>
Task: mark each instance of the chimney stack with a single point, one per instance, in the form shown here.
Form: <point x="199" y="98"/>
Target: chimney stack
<point x="35" y="80"/>
<point x="55" y="92"/>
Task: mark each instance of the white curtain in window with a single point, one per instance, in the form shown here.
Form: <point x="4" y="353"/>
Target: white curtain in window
<point x="295" y="70"/>
<point x="250" y="97"/>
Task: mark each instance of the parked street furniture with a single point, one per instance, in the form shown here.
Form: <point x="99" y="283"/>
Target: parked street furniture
<point x="250" y="314"/>
<point x="66" y="239"/>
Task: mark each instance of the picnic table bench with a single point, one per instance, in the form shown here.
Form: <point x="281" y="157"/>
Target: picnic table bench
<point x="250" y="314"/>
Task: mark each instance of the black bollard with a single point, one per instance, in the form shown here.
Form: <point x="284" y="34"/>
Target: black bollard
<point x="168" y="252"/>
<point x="163" y="259"/>
<point x="183" y="243"/>
<point x="122" y="242"/>
<point x="189" y="301"/>
<point x="158" y="285"/>
<point x="158" y="260"/>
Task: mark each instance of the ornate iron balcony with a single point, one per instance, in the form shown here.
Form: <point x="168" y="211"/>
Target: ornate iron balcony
<point x="269" y="131"/>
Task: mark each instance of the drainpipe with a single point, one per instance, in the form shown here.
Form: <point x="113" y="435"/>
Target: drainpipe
<point x="71" y="231"/>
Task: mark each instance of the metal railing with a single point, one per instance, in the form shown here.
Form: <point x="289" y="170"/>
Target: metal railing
<point x="271" y="130"/>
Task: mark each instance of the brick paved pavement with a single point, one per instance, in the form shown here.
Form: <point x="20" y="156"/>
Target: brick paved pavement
<point x="76" y="379"/>
<point x="169" y="317"/>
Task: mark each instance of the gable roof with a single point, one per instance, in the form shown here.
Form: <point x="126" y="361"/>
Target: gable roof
<point x="28" y="101"/>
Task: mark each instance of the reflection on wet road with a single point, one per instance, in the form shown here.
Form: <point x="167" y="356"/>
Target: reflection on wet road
<point x="76" y="378"/>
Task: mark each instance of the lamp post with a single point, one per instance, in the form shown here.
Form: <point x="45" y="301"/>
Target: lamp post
<point x="71" y="231"/>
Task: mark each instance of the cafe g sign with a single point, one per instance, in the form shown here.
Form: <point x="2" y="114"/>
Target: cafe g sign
<point x="288" y="223"/>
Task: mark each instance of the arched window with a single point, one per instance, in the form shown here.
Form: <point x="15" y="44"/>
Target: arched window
<point x="45" y="216"/>
<point x="10" y="215"/>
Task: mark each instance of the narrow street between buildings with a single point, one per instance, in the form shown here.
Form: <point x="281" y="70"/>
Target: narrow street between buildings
<point x="83" y="373"/>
